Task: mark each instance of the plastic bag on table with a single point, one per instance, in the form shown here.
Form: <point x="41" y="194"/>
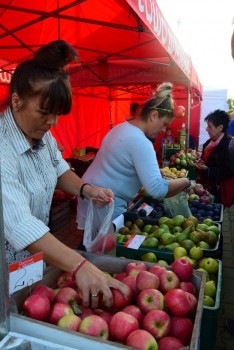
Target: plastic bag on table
<point x="99" y="235"/>
<point x="177" y="205"/>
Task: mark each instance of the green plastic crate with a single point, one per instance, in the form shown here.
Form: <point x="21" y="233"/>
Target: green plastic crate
<point x="210" y="318"/>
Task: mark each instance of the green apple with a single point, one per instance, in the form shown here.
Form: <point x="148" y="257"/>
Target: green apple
<point x="139" y="223"/>
<point x="149" y="257"/>
<point x="163" y="220"/>
<point x="204" y="271"/>
<point x="128" y="224"/>
<point x="208" y="301"/>
<point x="196" y="253"/>
<point x="151" y="242"/>
<point x="177" y="229"/>
<point x="210" y="265"/>
<point x="203" y="245"/>
<point x="162" y="262"/>
<point x="214" y="228"/>
<point x="178" y="220"/>
<point x="208" y="222"/>
<point x="179" y="252"/>
<point x="147" y="228"/>
<point x="210" y="289"/>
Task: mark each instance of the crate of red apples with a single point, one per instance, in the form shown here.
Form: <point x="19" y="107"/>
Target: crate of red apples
<point x="163" y="310"/>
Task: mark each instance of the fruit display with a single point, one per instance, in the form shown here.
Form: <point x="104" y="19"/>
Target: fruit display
<point x="170" y="233"/>
<point x="185" y="159"/>
<point x="201" y="206"/>
<point x="156" y="311"/>
<point x="173" y="172"/>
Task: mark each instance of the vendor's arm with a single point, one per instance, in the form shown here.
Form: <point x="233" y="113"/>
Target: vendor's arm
<point x="71" y="183"/>
<point x="90" y="279"/>
<point x="150" y="175"/>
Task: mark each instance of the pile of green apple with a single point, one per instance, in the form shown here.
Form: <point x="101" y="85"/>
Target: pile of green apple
<point x="170" y="233"/>
<point x="184" y="159"/>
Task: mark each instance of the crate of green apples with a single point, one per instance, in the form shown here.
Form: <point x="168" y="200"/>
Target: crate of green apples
<point x="164" y="235"/>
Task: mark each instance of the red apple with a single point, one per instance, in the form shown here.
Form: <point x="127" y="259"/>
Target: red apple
<point x="171" y="343"/>
<point x="157" y="322"/>
<point x="168" y="281"/>
<point x="182" y="329"/>
<point x="193" y="302"/>
<point x="36" y="307"/>
<point x="150" y="299"/>
<point x="67" y="295"/>
<point x="141" y="340"/>
<point x="44" y="291"/>
<point x="182" y="268"/>
<point x="107" y="316"/>
<point x="134" y="311"/>
<point x="130" y="281"/>
<point x="179" y="111"/>
<point x="135" y="267"/>
<point x="157" y="269"/>
<point x="58" y="311"/>
<point x="105" y="244"/>
<point x="66" y="279"/>
<point x="121" y="325"/>
<point x="147" y="280"/>
<point x="95" y="326"/>
<point x="188" y="287"/>
<point x="71" y="322"/>
<point x="119" y="300"/>
<point x="84" y="311"/>
<point x="178" y="302"/>
<point x="120" y="276"/>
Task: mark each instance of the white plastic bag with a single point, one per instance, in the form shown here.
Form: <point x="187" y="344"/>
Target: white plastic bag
<point x="99" y="236"/>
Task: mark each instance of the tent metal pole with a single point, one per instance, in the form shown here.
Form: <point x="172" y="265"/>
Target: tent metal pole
<point x="188" y="119"/>
<point x="110" y="103"/>
<point x="4" y="294"/>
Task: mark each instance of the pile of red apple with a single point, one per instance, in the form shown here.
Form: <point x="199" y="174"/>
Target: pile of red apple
<point x="158" y="313"/>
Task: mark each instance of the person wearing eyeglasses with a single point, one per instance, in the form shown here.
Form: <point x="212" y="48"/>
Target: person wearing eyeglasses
<point x="126" y="160"/>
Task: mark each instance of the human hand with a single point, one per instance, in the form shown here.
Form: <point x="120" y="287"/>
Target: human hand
<point x="94" y="284"/>
<point x="200" y="164"/>
<point x="100" y="196"/>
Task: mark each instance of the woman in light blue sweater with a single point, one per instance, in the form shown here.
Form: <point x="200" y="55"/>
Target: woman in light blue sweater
<point x="126" y="159"/>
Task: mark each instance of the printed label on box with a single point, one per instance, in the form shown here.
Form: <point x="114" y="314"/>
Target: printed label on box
<point x="135" y="241"/>
<point x="147" y="208"/>
<point x="25" y="272"/>
<point x="118" y="222"/>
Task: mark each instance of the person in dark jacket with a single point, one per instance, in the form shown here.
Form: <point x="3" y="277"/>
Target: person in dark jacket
<point x="216" y="162"/>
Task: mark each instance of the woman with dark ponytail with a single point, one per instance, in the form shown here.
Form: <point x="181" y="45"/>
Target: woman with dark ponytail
<point x="32" y="167"/>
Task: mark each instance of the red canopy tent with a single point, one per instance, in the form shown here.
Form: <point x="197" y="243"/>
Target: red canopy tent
<point x="125" y="49"/>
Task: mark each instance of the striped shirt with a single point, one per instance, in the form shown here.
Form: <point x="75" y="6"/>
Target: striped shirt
<point x="29" y="176"/>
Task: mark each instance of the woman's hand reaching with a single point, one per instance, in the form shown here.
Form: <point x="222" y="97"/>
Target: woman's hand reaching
<point x="95" y="284"/>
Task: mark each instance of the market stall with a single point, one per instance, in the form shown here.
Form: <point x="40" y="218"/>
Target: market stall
<point x="125" y="49"/>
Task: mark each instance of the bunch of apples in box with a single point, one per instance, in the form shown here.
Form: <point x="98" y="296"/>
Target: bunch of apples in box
<point x="157" y="314"/>
<point x="184" y="159"/>
<point x="169" y="233"/>
<point x="207" y="265"/>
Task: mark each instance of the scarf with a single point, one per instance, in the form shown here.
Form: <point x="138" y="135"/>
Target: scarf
<point x="211" y="146"/>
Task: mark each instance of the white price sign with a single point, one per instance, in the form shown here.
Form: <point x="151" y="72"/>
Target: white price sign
<point x="25" y="272"/>
<point x="147" y="208"/>
<point x="135" y="241"/>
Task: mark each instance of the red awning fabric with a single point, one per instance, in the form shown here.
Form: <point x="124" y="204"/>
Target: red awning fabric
<point x="122" y="57"/>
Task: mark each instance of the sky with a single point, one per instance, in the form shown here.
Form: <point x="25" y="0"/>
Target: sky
<point x="204" y="29"/>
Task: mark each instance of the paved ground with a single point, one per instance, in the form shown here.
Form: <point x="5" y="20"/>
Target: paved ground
<point x="225" y="341"/>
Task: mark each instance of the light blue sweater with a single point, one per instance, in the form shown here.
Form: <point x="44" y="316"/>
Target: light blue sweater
<point x="125" y="161"/>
